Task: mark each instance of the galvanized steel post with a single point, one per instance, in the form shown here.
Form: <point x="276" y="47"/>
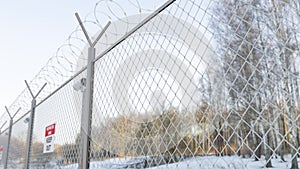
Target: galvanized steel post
<point x="9" y="135"/>
<point x="86" y="116"/>
<point x="8" y="143"/>
<point x="30" y="124"/>
<point x="29" y="133"/>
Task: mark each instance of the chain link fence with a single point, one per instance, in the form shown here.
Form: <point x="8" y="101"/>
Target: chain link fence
<point x="17" y="149"/>
<point x="62" y="112"/>
<point x="202" y="84"/>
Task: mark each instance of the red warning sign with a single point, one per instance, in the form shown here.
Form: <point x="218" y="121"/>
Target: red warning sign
<point x="49" y="138"/>
<point x="50" y="130"/>
<point x="1" y="152"/>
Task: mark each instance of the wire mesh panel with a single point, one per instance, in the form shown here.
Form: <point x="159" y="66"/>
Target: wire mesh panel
<point x="4" y="121"/>
<point x="56" y="128"/>
<point x="17" y="149"/>
<point x="3" y="150"/>
<point x="205" y="84"/>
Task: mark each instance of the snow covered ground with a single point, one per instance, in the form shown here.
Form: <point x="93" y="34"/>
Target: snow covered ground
<point x="205" y="162"/>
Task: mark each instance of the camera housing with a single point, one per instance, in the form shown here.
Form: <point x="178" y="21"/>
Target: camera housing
<point x="80" y="85"/>
<point x="27" y="120"/>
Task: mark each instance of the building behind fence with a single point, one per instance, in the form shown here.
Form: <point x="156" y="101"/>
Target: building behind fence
<point x="193" y="84"/>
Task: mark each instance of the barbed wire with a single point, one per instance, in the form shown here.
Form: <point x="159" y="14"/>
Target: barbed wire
<point x="69" y="57"/>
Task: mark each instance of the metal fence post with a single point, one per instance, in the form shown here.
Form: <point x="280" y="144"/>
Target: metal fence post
<point x="9" y="134"/>
<point x="29" y="133"/>
<point x="87" y="111"/>
<point x="8" y="143"/>
<point x="30" y="124"/>
<point x="86" y="116"/>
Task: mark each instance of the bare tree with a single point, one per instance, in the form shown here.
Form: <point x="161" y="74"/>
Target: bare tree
<point x="243" y="59"/>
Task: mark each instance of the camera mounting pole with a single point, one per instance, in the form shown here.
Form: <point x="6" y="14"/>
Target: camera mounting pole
<point x="30" y="124"/>
<point x="9" y="133"/>
<point x="87" y="99"/>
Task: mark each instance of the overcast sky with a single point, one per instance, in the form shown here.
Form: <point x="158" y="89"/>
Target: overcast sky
<point x="30" y="33"/>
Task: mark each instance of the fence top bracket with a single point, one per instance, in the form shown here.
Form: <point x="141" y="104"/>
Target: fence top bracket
<point x="30" y="91"/>
<point x="92" y="44"/>
<point x="10" y="115"/>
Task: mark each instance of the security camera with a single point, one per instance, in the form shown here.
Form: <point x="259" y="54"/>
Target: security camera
<point x="80" y="85"/>
<point x="27" y="120"/>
